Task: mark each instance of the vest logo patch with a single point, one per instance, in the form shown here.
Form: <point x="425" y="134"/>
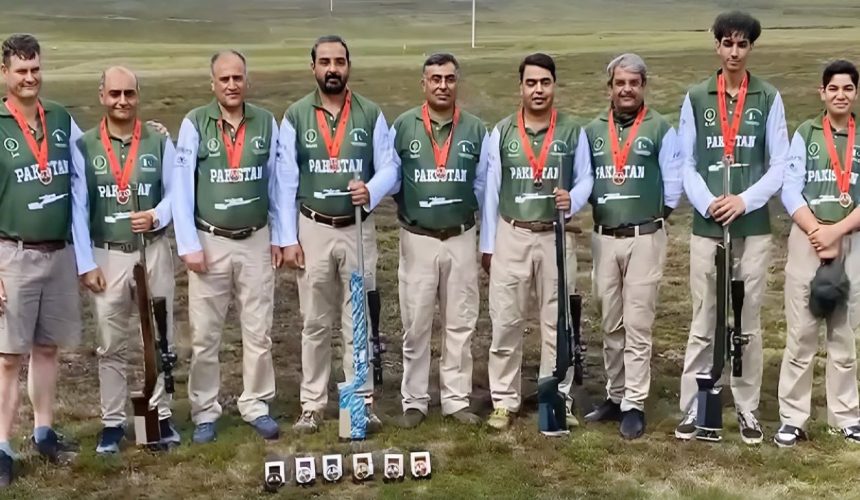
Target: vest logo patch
<point x="813" y="149"/>
<point x="753" y="117"/>
<point x="466" y="149"/>
<point x="598" y="144"/>
<point x="147" y="162"/>
<point x="358" y="137"/>
<point x="11" y="146"/>
<point x="259" y="145"/>
<point x="100" y="165"/>
<point x="643" y="146"/>
<point x="558" y="148"/>
<point x="310" y="138"/>
<point x="710" y="116"/>
<point x="61" y="139"/>
<point x="414" y="148"/>
<point x="214" y="147"/>
<point x="513" y="147"/>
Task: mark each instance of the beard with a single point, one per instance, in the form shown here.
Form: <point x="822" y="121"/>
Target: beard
<point x="332" y="84"/>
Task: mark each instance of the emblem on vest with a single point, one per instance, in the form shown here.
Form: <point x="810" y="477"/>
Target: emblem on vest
<point x="259" y="145"/>
<point x="61" y="139"/>
<point x="466" y="149"/>
<point x="148" y="162"/>
<point x="45" y="200"/>
<point x="558" y="148"/>
<point x="597" y="147"/>
<point x="32" y="172"/>
<point x="710" y="116"/>
<point x="214" y="147"/>
<point x="415" y="149"/>
<point x="12" y="147"/>
<point x="812" y="150"/>
<point x="513" y="148"/>
<point x="753" y="117"/>
<point x="229" y="203"/>
<point x="311" y="138"/>
<point x="358" y="137"/>
<point x="100" y="165"/>
<point x="643" y="146"/>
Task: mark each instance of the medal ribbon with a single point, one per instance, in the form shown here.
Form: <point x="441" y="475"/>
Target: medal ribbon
<point x="333" y="146"/>
<point x="40" y="151"/>
<point x="233" y="148"/>
<point x="121" y="176"/>
<point x="537" y="164"/>
<point x="730" y="134"/>
<point x="619" y="156"/>
<point x="440" y="155"/>
<point x="843" y="173"/>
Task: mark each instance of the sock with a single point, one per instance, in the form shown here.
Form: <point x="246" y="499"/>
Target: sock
<point x="41" y="433"/>
<point x="6" y="447"/>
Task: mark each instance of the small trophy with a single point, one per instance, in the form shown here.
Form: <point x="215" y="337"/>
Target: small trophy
<point x="393" y="467"/>
<point x="332" y="468"/>
<point x="362" y="467"/>
<point x="275" y="475"/>
<point x="420" y="464"/>
<point x="306" y="472"/>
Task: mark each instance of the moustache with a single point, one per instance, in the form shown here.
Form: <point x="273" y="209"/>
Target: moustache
<point x="333" y="76"/>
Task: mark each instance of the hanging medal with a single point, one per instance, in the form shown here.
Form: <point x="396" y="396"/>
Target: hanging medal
<point x="440" y="155"/>
<point x="39" y="150"/>
<point x="619" y="153"/>
<point x="333" y="145"/>
<point x="537" y="164"/>
<point x="122" y="177"/>
<point x="842" y="172"/>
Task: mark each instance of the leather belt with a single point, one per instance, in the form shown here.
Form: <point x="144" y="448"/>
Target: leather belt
<point x="42" y="246"/>
<point x="329" y="220"/>
<point x="439" y="234"/>
<point x="233" y="234"/>
<point x="533" y="226"/>
<point x="127" y="246"/>
<point x="630" y="231"/>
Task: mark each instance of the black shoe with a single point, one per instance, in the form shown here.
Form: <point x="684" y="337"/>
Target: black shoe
<point x="607" y="411"/>
<point x="632" y="424"/>
<point x="788" y="435"/>
<point x="110" y="440"/>
<point x="169" y="435"/>
<point x="5" y="470"/>
<point x="55" y="446"/>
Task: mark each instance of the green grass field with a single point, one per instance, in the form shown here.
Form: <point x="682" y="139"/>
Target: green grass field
<point x="169" y="42"/>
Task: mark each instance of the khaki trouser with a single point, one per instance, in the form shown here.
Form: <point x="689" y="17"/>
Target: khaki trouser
<point x="751" y="258"/>
<point x="43" y="304"/>
<point x="523" y="259"/>
<point x="118" y="322"/>
<point x="626" y="277"/>
<point x="448" y="270"/>
<point x="330" y="259"/>
<point x="242" y="268"/>
<point x="795" y="376"/>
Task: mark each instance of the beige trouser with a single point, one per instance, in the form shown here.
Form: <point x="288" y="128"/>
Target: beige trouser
<point x="330" y="258"/>
<point x="523" y="259"/>
<point x="243" y="268"/>
<point x="118" y="322"/>
<point x="751" y="258"/>
<point x="448" y="270"/>
<point x="626" y="278"/>
<point x="43" y="304"/>
<point x="795" y="376"/>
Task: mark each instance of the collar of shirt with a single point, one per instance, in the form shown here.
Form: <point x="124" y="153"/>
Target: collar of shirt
<point x="754" y="85"/>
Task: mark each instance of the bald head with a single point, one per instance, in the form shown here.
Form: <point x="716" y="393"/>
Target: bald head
<point x="229" y="78"/>
<point x="119" y="93"/>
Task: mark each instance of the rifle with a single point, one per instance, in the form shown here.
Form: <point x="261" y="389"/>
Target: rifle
<point x="374" y="304"/>
<point x="353" y="415"/>
<point x="728" y="338"/>
<point x="153" y="318"/>
<point x="552" y="414"/>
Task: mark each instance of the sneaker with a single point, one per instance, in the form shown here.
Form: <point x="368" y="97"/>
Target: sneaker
<point x="266" y="427"/>
<point x="411" y="419"/>
<point x="204" y="433"/>
<point x="850" y="433"/>
<point x="569" y="418"/>
<point x="169" y="435"/>
<point x="55" y="446"/>
<point x="109" y="440"/>
<point x="632" y="424"/>
<point x="500" y="419"/>
<point x="687" y="427"/>
<point x="464" y="416"/>
<point x="374" y="425"/>
<point x="5" y="470"/>
<point x="788" y="435"/>
<point x="308" y="422"/>
<point x="751" y="432"/>
<point x="606" y="412"/>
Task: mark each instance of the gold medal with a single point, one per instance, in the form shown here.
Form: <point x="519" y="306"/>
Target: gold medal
<point x="618" y="178"/>
<point x="845" y="200"/>
<point x="45" y="176"/>
<point x="123" y="195"/>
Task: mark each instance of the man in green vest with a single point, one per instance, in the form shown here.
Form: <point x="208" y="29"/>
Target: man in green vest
<point x="731" y="120"/>
<point x="39" y="302"/>
<point x="820" y="193"/>
<point x="443" y="173"/>
<point x="326" y="137"/>
<point x="538" y="164"/>
<point x="123" y="159"/>
<point x="227" y="217"/>
<point x="637" y="183"/>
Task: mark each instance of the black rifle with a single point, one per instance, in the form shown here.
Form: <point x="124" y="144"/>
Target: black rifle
<point x="374" y="304"/>
<point x="728" y="337"/>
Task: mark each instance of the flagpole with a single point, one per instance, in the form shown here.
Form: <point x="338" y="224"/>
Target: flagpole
<point x="473" y="23"/>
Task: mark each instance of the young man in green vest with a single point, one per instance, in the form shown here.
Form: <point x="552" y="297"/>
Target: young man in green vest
<point x="820" y="193"/>
<point x="733" y="118"/>
<point x="326" y="137"/>
<point x="637" y="183"/>
<point x="123" y="158"/>
<point x="443" y="173"/>
<point x="538" y="164"/>
<point x="227" y="217"/>
<point x="39" y="301"/>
